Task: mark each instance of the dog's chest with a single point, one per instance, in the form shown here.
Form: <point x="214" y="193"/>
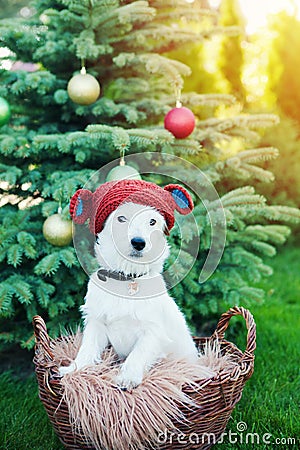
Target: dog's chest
<point x="126" y="319"/>
<point x="123" y="334"/>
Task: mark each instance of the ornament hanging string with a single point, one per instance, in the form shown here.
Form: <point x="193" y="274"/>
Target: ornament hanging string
<point x="178" y="97"/>
<point x="59" y="209"/>
<point x="83" y="69"/>
<point x="122" y="157"/>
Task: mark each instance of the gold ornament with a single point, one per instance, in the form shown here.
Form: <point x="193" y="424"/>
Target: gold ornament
<point x="83" y="88"/>
<point x="57" y="231"/>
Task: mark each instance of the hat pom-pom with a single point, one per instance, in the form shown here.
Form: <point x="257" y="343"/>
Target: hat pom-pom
<point x="81" y="206"/>
<point x="183" y="202"/>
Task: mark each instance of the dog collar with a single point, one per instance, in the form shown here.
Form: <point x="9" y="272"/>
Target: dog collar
<point x="102" y="274"/>
<point x="138" y="287"/>
<point x="133" y="286"/>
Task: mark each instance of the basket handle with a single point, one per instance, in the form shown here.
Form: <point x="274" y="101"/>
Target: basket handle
<point x="42" y="340"/>
<point x="250" y="324"/>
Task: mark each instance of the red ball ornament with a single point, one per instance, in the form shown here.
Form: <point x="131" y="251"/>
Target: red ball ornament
<point x="180" y="121"/>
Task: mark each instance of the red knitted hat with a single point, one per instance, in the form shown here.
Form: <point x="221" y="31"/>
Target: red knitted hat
<point x="99" y="205"/>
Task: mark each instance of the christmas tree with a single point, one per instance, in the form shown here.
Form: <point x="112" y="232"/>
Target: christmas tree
<point x="50" y="146"/>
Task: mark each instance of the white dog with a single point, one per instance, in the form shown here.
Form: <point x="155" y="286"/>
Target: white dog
<point x="127" y="304"/>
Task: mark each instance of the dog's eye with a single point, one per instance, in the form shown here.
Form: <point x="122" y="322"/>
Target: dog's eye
<point x="152" y="222"/>
<point x="122" y="219"/>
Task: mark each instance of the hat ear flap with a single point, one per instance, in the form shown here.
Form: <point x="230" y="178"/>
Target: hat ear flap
<point x="183" y="202"/>
<point x="81" y="206"/>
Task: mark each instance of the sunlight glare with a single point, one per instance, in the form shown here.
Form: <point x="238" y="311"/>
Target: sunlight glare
<point x="257" y="11"/>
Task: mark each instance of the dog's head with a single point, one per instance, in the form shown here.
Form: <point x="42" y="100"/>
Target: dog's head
<point x="133" y="240"/>
<point x="130" y="219"/>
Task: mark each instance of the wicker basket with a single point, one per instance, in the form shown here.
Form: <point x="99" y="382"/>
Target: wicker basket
<point x="216" y="396"/>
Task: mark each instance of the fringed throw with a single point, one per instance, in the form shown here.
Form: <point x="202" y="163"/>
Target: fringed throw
<point x="113" y="419"/>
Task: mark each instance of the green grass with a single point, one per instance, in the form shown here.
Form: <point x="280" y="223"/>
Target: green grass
<point x="23" y="421"/>
<point x="270" y="402"/>
<point x="271" y="398"/>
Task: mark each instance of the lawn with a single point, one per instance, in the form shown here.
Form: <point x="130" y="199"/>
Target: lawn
<point x="270" y="403"/>
<point x="271" y="398"/>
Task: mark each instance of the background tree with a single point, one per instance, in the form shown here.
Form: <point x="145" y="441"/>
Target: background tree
<point x="51" y="146"/>
<point x="286" y="188"/>
<point x="284" y="59"/>
<point x="272" y="85"/>
<point x="231" y="58"/>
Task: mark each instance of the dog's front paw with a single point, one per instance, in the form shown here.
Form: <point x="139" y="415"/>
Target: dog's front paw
<point x="63" y="370"/>
<point x="128" y="378"/>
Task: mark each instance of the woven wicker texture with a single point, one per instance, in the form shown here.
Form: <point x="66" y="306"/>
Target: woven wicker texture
<point x="216" y="396"/>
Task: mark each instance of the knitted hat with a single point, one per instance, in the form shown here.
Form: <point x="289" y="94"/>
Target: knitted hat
<point x="99" y="205"/>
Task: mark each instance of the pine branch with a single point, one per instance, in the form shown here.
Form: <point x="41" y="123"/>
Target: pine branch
<point x="244" y="196"/>
<point x="86" y="48"/>
<point x="242" y="121"/>
<point x="62" y="184"/>
<point x="258" y="173"/>
<point x="154" y="64"/>
<point x="281" y="214"/>
<point x="119" y="137"/>
<point x="47" y="141"/>
<point x="246" y="134"/>
<point x="159" y="40"/>
<point x="131" y="88"/>
<point x="5" y="336"/>
<point x="193" y="99"/>
<point x="123" y="18"/>
<point x="185" y="147"/>
<point x="239" y="165"/>
<point x="42" y="82"/>
<point x="10" y="174"/>
<point x="277" y="234"/>
<point x="43" y="292"/>
<point x="20" y="289"/>
<point x="258" y="154"/>
<point x="6" y="294"/>
<point x="143" y="138"/>
<point x="167" y="12"/>
<point x="249" y="294"/>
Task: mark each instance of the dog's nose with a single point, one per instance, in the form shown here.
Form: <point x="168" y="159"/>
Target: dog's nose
<point x="138" y="243"/>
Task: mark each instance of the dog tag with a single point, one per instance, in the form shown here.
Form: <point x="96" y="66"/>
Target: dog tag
<point x="133" y="287"/>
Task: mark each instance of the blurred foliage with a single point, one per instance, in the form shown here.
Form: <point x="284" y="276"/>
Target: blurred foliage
<point x="284" y="63"/>
<point x="231" y="57"/>
<point x="273" y="59"/>
<point x="286" y="168"/>
<point x="11" y="8"/>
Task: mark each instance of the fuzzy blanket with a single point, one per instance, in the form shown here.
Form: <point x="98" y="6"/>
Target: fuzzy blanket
<point x="113" y="419"/>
